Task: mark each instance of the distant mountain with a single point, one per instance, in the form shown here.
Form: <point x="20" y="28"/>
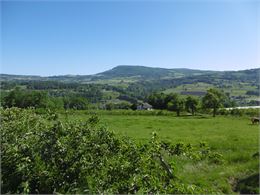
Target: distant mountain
<point x="148" y="72"/>
<point x="140" y="73"/>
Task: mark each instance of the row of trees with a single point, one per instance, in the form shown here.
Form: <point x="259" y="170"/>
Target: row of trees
<point x="22" y="98"/>
<point x="40" y="99"/>
<point x="173" y="102"/>
<point x="92" y="92"/>
<point x="213" y="99"/>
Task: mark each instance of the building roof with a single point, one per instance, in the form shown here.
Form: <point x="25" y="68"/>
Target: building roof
<point x="146" y="105"/>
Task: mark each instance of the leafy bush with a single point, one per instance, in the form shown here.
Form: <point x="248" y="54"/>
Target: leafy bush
<point x="40" y="154"/>
<point x="236" y="112"/>
<point x="197" y="153"/>
<point x="240" y="112"/>
<point x="223" y="112"/>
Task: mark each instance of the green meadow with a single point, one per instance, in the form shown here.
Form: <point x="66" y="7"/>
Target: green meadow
<point x="235" y="138"/>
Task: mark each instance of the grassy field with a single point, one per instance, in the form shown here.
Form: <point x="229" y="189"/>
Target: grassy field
<point x="233" y="137"/>
<point x="233" y="89"/>
<point x="190" y="87"/>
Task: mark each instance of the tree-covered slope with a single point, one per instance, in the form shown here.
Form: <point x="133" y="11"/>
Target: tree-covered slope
<point x="131" y="83"/>
<point x="141" y="73"/>
<point x="119" y="72"/>
<point x="144" y="72"/>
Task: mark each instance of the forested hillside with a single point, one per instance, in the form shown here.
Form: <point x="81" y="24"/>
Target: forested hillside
<point x="130" y="84"/>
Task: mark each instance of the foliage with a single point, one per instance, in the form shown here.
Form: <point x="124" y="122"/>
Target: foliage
<point x="122" y="105"/>
<point x="41" y="154"/>
<point x="196" y="153"/>
<point x="23" y="99"/>
<point x="191" y="104"/>
<point x="158" y="100"/>
<point x="175" y="103"/>
<point x="132" y="112"/>
<point x="40" y="99"/>
<point x="213" y="99"/>
<point x="136" y="83"/>
<point x="73" y="102"/>
<point x="133" y="83"/>
<point x="240" y="112"/>
<point x="172" y="102"/>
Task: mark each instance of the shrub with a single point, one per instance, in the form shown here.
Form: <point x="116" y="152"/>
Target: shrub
<point x="41" y="154"/>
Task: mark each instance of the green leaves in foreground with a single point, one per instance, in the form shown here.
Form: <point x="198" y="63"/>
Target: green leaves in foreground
<point x="40" y="154"/>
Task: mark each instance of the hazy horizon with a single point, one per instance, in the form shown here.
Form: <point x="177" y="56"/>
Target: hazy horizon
<point x="85" y="37"/>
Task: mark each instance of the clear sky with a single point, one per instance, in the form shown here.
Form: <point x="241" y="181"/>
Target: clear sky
<point x="86" y="37"/>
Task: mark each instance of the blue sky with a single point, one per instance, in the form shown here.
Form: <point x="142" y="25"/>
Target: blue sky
<point x="85" y="37"/>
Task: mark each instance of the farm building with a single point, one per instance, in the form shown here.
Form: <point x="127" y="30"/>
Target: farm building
<point x="144" y="106"/>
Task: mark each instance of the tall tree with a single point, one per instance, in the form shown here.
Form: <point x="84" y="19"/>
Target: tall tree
<point x="157" y="100"/>
<point x="191" y="104"/>
<point x="176" y="103"/>
<point x="213" y="99"/>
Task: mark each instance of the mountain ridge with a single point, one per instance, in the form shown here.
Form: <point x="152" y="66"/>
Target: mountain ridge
<point x="132" y="70"/>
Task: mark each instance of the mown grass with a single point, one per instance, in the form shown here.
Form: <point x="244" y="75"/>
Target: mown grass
<point x="233" y="137"/>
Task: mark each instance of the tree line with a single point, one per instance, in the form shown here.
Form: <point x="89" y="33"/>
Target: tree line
<point x="41" y="99"/>
<point x="213" y="99"/>
<point x="22" y="98"/>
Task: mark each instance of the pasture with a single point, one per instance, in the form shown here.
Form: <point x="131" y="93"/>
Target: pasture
<point x="233" y="137"/>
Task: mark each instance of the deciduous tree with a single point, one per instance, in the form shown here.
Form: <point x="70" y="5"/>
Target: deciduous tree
<point x="213" y="100"/>
<point x="191" y="104"/>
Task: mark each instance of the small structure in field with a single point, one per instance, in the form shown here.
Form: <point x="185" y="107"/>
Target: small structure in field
<point x="144" y="106"/>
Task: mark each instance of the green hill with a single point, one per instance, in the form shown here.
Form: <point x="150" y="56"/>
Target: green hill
<point x="145" y="73"/>
<point x="125" y="72"/>
<point x="128" y="83"/>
